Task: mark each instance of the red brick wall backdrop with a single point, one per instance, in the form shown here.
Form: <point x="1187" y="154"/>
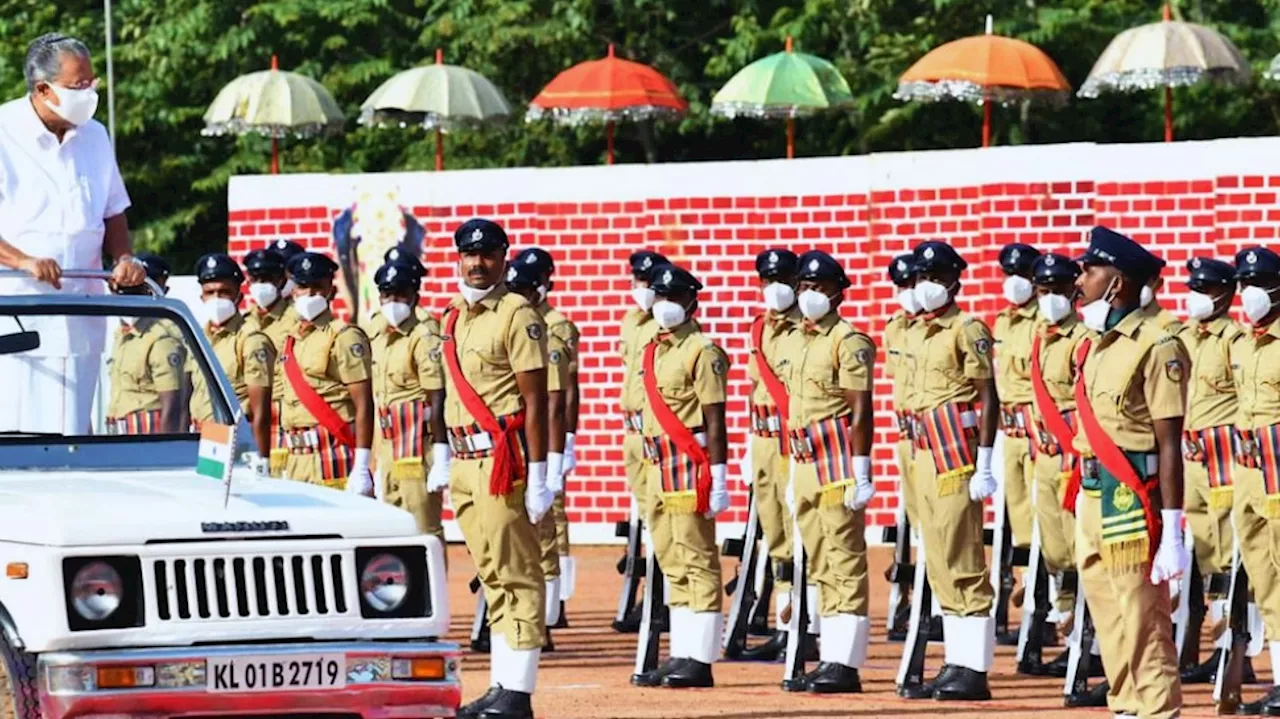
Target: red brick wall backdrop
<point x="1187" y="198"/>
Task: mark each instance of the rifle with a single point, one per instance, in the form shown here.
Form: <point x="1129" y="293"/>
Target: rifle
<point x="758" y="625"/>
<point x="1188" y="617"/>
<point x="628" y="568"/>
<point x="1076" y="688"/>
<point x="742" y="587"/>
<point x="1035" y="609"/>
<point x="799" y="640"/>
<point x="1226" y="689"/>
<point x="911" y="668"/>
<point x="650" y="631"/>
<point x="900" y="574"/>
<point x="479" y="625"/>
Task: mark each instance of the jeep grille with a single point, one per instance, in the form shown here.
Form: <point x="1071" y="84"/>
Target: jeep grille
<point x="252" y="587"/>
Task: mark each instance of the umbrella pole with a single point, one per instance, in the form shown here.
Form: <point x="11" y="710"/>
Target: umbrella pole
<point x="1168" y="114"/>
<point x="275" y="156"/>
<point x="439" y="150"/>
<point x="986" y="123"/>
<point x="791" y="138"/>
<point x="608" y="131"/>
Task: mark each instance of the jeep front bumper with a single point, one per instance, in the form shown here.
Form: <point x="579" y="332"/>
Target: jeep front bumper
<point x="379" y="681"/>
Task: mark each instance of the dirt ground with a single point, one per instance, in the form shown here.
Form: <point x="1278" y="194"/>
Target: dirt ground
<point x="588" y="674"/>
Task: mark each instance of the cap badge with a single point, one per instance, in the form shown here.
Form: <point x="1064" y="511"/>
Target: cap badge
<point x="1251" y="258"/>
<point x="281" y="244"/>
<point x="211" y="263"/>
<point x="530" y="259"/>
<point x="928" y="253"/>
<point x="666" y="277"/>
<point x="646" y="263"/>
<point x="391" y="273"/>
<point x="1013" y="256"/>
<point x="902" y="266"/>
<point x="773" y="258"/>
<point x="1196" y="263"/>
<point x="394" y="254"/>
<point x="1050" y="261"/>
<point x="306" y="263"/>
<point x="813" y="265"/>
<point x="511" y="274"/>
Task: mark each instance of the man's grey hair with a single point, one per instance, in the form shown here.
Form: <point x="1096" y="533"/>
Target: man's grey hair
<point x="44" y="57"/>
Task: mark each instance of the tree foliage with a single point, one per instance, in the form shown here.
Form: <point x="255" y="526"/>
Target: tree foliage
<point x="172" y="56"/>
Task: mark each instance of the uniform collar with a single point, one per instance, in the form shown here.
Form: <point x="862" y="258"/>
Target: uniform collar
<point x="677" y="335"/>
<point x="275" y="311"/>
<point x="31" y="124"/>
<point x="1216" y="326"/>
<point x="544" y="307"/>
<point x="321" y="321"/>
<point x="946" y="318"/>
<point x="405" y="327"/>
<point x="1272" y="330"/>
<point x="231" y="326"/>
<point x="490" y="302"/>
<point x="1065" y="328"/>
<point x="1131" y="322"/>
<point x="1025" y="311"/>
<point x="824" y="325"/>
<point x="789" y="316"/>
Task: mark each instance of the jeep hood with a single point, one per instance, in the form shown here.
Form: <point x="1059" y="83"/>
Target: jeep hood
<point x="105" y="508"/>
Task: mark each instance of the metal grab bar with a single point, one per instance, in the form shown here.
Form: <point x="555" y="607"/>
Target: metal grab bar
<point x="105" y="275"/>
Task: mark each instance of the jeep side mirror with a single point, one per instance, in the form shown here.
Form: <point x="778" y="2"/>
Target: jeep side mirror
<point x="19" y="342"/>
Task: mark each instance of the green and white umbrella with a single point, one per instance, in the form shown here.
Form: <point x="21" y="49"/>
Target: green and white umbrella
<point x="783" y="85"/>
<point x="276" y="104"/>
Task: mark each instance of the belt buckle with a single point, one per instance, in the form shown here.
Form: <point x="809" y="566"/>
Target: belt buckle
<point x="651" y="450"/>
<point x="384" y="421"/>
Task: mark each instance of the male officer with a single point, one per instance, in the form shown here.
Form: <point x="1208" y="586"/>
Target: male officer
<point x="902" y="273"/>
<point x="951" y="352"/>
<point x="1255" y="368"/>
<point x="495" y="419"/>
<point x="287" y="249"/>
<point x="328" y="415"/>
<point x="1130" y="399"/>
<point x="147" y="368"/>
<point x="273" y="315"/>
<point x="685" y="385"/>
<point x="1012" y="332"/>
<point x="1209" y="435"/>
<point x="765" y="460"/>
<point x="247" y="356"/>
<point x="408" y="389"/>
<point x="830" y="369"/>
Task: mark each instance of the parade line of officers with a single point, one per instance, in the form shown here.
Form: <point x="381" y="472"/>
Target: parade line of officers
<point x="1115" y="417"/>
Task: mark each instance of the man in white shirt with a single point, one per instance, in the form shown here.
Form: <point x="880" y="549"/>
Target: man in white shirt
<point x="62" y="205"/>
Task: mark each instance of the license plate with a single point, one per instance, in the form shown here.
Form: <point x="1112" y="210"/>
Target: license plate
<point x="273" y="673"/>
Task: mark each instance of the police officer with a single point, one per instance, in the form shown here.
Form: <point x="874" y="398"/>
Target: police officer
<point x="408" y="389"/>
<point x="328" y="414"/>
<point x="830" y="368"/>
<point x="1012" y="333"/>
<point x="1131" y="398"/>
<point x="685" y="383"/>
<point x="287" y="249"/>
<point x="376" y="322"/>
<point x="247" y="356"/>
<point x="902" y="273"/>
<point x="1208" y="438"/>
<point x="1167" y="321"/>
<point x="147" y="371"/>
<point x="495" y="419"/>
<point x="765" y="461"/>
<point x="273" y="315"/>
<point x="1255" y="368"/>
<point x="951" y="354"/>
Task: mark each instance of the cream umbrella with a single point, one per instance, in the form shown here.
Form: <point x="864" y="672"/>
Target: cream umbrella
<point x="1165" y="54"/>
<point x="1273" y="70"/>
<point x="437" y="97"/>
<point x="275" y="104"/>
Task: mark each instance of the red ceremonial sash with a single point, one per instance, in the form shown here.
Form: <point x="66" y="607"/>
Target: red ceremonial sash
<point x="1056" y="424"/>
<point x="777" y="391"/>
<point x="675" y="430"/>
<point x="325" y="415"/>
<point x="1111" y="456"/>
<point x="505" y="470"/>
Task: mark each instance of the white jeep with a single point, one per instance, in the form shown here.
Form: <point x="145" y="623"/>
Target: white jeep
<point x="135" y="586"/>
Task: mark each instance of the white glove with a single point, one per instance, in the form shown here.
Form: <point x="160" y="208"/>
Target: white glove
<point x="260" y="466"/>
<point x="438" y="476"/>
<point x="555" y="472"/>
<point x="570" y="453"/>
<point x="1170" y="561"/>
<point x="859" y="495"/>
<point x="983" y="482"/>
<point x="537" y="497"/>
<point x="719" y="500"/>
<point x="360" y="481"/>
<point x="744" y="466"/>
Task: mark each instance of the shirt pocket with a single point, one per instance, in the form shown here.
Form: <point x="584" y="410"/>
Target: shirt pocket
<point x="487" y="361"/>
<point x="818" y="376"/>
<point x="941" y="369"/>
<point x="674" y="380"/>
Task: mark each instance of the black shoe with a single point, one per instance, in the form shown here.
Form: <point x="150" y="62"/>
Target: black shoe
<point x="509" y="705"/>
<point x="472" y="710"/>
<point x="802" y="684"/>
<point x="1056" y="668"/>
<point x="547" y="644"/>
<point x="1008" y="639"/>
<point x="759" y="627"/>
<point x="630" y="622"/>
<point x="1260" y="707"/>
<point x="1095" y="697"/>
<point x="1205" y="673"/>
<point x="964" y="685"/>
<point x="691" y="674"/>
<point x="653" y="678"/>
<point x="563" y="621"/>
<point x="837" y="679"/>
<point x="901" y="623"/>
<point x="770" y="651"/>
<point x="925" y="690"/>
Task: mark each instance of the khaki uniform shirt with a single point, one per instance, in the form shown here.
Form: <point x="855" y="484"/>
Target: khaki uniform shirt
<point x="1213" y="391"/>
<point x="1255" y="366"/>
<point x="562" y="348"/>
<point x="777" y="326"/>
<point x="406" y="361"/>
<point x="1165" y="319"/>
<point x="1136" y="374"/>
<point x="497" y="338"/>
<point x="247" y="356"/>
<point x="1058" y="344"/>
<point x="1012" y="334"/>
<point x="948" y="352"/>
<point x="147" y="359"/>
<point x="825" y="359"/>
<point x="691" y="371"/>
<point x="896" y="333"/>
<point x="638" y="327"/>
<point x="332" y="355"/>
<point x="277" y="324"/>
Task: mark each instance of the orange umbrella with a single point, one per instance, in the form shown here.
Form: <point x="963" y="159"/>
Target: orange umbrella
<point x="983" y="69"/>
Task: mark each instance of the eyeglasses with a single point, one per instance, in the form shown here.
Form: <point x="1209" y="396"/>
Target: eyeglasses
<point x="91" y="85"/>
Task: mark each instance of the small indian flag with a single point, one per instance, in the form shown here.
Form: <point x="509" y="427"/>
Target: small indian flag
<point x="214" y="456"/>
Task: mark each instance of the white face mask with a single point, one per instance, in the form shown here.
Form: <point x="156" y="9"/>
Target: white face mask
<point x="396" y="312"/>
<point x="1199" y="305"/>
<point x="1054" y="307"/>
<point x="907" y="300"/>
<point x="668" y="314"/>
<point x="310" y="306"/>
<point x="288" y="288"/>
<point x="931" y="296"/>
<point x="1257" y="303"/>
<point x="542" y="294"/>
<point x="1094" y="315"/>
<point x="643" y="297"/>
<point x="219" y="310"/>
<point x="1146" y="296"/>
<point x="471" y="294"/>
<point x="1017" y="290"/>
<point x="74" y="106"/>
<point x="814" y="305"/>
<point x="778" y="296"/>
<point x="264" y="294"/>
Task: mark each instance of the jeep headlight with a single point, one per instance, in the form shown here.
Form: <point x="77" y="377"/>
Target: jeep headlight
<point x="96" y="591"/>
<point x="384" y="582"/>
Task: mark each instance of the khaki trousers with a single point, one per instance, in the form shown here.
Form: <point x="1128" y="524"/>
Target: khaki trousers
<point x="505" y="547"/>
<point x="1134" y="629"/>
<point x="835" y="541"/>
<point x="562" y="525"/>
<point x="908" y="489"/>
<point x="1259" y="545"/>
<point x="550" y="549"/>
<point x="306" y="468"/>
<point x="1057" y="525"/>
<point x="687" y="552"/>
<point x="637" y="470"/>
<point x="955" y="557"/>
<point x="1211" y="527"/>
<point x="772" y="472"/>
<point x="1019" y="475"/>
<point x="411" y="495"/>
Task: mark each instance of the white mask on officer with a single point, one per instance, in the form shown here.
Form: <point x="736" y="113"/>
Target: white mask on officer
<point x="1257" y="303"/>
<point x="779" y="297"/>
<point x="1095" y="314"/>
<point x="471" y="294"/>
<point x="1146" y="296"/>
<point x="1200" y="306"/>
<point x="311" y="306"/>
<point x="1054" y="307"/>
<point x="219" y="310"/>
<point x="668" y="314"/>
<point x="931" y="296"/>
<point x="643" y="297"/>
<point x="907" y="301"/>
<point x="264" y="294"/>
<point x="814" y="305"/>
<point x="1018" y="290"/>
<point x="396" y="312"/>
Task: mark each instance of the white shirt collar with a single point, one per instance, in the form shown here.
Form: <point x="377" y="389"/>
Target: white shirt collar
<point x="30" y="123"/>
